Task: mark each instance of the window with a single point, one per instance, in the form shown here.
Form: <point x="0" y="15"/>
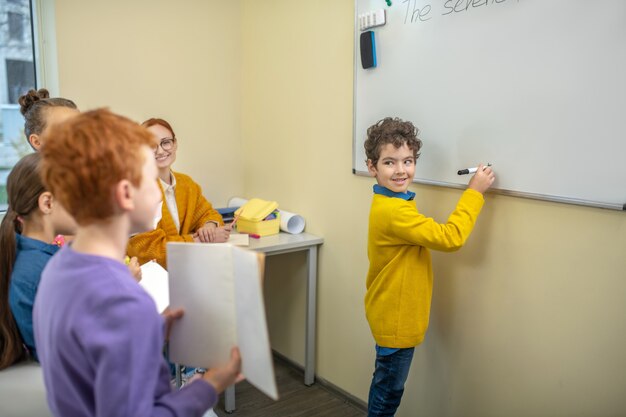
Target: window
<point x="20" y="78"/>
<point x="15" y="26"/>
<point x="17" y="75"/>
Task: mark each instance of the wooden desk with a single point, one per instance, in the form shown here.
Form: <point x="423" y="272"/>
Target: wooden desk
<point x="278" y="245"/>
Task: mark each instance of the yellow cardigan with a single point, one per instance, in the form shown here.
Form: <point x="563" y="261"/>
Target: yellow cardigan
<point x="400" y="278"/>
<point x="194" y="211"/>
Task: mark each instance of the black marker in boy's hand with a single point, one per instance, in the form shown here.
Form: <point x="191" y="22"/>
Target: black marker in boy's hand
<point x="469" y="170"/>
<point x="482" y="179"/>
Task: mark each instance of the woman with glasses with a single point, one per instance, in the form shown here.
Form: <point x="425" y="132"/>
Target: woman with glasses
<point x="186" y="216"/>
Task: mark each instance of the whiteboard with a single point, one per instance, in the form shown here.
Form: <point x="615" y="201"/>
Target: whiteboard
<point x="535" y="87"/>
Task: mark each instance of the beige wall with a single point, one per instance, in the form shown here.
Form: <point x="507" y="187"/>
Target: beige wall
<point x="528" y="319"/>
<point x="158" y="58"/>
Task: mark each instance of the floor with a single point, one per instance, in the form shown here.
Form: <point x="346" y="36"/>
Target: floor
<point x="296" y="399"/>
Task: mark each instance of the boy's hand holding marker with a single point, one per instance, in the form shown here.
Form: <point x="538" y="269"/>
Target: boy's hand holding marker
<point x="471" y="170"/>
<point x="482" y="179"/>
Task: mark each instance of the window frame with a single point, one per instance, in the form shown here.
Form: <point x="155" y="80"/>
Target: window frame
<point x="44" y="41"/>
<point x="43" y="31"/>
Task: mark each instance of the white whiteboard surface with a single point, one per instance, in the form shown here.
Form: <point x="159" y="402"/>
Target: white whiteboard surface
<point x="536" y="87"/>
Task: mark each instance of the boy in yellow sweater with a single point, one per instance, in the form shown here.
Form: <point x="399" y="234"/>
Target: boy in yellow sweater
<point x="400" y="279"/>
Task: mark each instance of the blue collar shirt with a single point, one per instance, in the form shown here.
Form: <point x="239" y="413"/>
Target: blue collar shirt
<point x="379" y="189"/>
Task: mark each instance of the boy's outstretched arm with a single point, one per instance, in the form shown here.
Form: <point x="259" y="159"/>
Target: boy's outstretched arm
<point x="417" y="229"/>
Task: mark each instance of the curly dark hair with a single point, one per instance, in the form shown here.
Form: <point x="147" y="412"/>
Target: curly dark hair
<point x="391" y="130"/>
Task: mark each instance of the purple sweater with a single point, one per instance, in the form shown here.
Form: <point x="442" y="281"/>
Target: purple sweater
<point x="100" y="339"/>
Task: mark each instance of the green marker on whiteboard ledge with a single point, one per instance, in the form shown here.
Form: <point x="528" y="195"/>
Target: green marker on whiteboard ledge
<point x="471" y="170"/>
<point x="388" y="3"/>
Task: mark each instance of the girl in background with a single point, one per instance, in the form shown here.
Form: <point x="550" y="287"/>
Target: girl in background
<point x="39" y="110"/>
<point x="31" y="222"/>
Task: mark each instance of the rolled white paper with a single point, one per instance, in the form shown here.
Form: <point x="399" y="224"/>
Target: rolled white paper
<point x="289" y="222"/>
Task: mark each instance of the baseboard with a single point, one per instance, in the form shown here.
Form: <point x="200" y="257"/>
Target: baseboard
<point x="328" y="386"/>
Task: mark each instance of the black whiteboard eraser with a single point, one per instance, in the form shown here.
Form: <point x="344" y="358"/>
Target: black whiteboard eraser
<point x="368" y="50"/>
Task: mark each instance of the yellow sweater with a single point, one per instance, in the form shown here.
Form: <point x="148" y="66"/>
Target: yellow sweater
<point x="400" y="278"/>
<point x="193" y="211"/>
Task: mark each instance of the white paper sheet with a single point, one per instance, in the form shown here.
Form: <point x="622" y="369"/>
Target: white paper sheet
<point x="218" y="286"/>
<point x="239" y="239"/>
<point x="154" y="280"/>
<point x="254" y="341"/>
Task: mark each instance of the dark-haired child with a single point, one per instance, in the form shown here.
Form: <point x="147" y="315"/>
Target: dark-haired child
<point x="34" y="217"/>
<point x="40" y="110"/>
<point x="400" y="279"/>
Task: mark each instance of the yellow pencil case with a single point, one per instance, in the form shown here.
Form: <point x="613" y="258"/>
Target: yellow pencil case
<point x="252" y="217"/>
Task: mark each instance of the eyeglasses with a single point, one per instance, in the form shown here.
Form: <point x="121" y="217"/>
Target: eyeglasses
<point x="166" y="144"/>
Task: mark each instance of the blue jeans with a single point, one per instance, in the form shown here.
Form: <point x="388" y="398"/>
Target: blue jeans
<point x="388" y="382"/>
